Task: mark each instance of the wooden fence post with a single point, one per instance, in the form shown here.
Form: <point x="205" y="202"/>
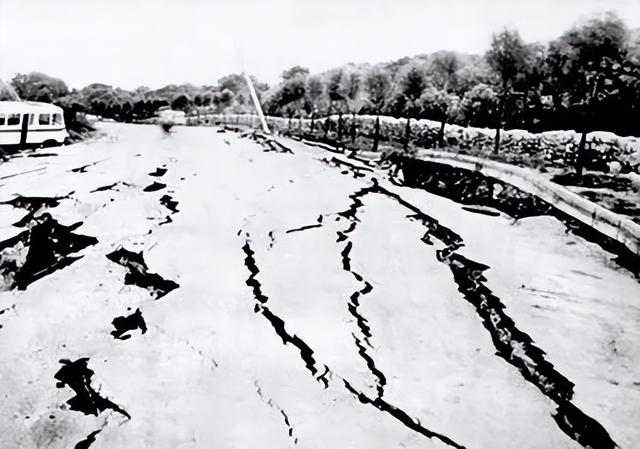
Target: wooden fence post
<point x="407" y="135"/>
<point x="353" y="128"/>
<point x="376" y="134"/>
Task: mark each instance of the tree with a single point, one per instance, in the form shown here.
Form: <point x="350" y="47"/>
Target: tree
<point x="293" y="93"/>
<point x="473" y="70"/>
<point x="441" y="105"/>
<point x="353" y="91"/>
<point x="181" y="102"/>
<point x="334" y="88"/>
<point x="223" y="99"/>
<point x="37" y="86"/>
<point x="587" y="70"/>
<point x="405" y="98"/>
<point x="479" y="104"/>
<point x="142" y="92"/>
<point x="507" y="56"/>
<point x="377" y="84"/>
<point x="355" y="97"/>
<point x="315" y="93"/>
<point x="445" y="66"/>
<point x="236" y="84"/>
<point x="295" y="72"/>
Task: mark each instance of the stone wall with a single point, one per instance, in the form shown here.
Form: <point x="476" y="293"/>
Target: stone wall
<point x="548" y="149"/>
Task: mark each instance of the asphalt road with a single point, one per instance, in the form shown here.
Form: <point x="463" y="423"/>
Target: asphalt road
<point x="196" y="291"/>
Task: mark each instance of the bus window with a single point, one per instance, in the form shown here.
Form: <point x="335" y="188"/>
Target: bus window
<point x="1" y="119"/>
<point x="31" y="117"/>
<point x="57" y="119"/>
<point x="43" y="119"/>
<point x="13" y="119"/>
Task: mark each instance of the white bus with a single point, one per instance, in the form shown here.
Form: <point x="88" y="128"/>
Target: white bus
<point x="31" y="124"/>
<point x="166" y="115"/>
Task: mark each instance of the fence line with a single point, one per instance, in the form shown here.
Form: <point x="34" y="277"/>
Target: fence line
<point x="378" y="133"/>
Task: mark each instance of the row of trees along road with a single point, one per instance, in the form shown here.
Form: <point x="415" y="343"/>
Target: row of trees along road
<point x="587" y="79"/>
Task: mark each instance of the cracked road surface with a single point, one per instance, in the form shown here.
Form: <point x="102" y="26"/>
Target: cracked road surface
<point x="201" y="290"/>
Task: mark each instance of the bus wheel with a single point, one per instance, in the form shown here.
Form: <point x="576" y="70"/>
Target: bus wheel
<point x="49" y="143"/>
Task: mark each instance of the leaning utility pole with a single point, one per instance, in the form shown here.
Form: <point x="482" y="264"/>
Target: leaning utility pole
<point x="256" y="103"/>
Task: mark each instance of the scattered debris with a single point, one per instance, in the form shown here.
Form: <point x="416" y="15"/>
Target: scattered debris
<point x="268" y="141"/>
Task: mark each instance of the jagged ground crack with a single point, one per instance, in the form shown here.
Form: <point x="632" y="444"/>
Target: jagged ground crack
<point x="306" y="353"/>
<point x="272" y="404"/>
<point x="361" y="340"/>
<point x="513" y="345"/>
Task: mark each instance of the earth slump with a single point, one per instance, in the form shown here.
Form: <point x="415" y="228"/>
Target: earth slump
<point x="473" y="188"/>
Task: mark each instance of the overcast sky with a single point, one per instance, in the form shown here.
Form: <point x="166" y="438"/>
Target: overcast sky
<point x="156" y="42"/>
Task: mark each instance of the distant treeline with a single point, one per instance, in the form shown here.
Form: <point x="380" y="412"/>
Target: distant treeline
<point x="587" y="79"/>
<point x="231" y="93"/>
